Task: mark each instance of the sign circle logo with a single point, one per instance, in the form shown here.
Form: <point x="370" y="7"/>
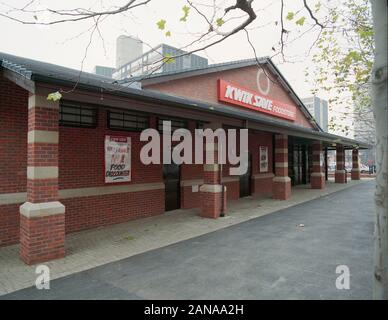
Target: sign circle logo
<point x="265" y="91"/>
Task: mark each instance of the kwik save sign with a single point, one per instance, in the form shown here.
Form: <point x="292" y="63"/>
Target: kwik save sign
<point x="250" y="99"/>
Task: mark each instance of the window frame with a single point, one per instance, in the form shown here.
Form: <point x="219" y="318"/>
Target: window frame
<point x="130" y="113"/>
<point x="81" y="107"/>
<point x="162" y="118"/>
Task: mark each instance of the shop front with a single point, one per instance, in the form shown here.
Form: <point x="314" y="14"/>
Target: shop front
<point x="78" y="163"/>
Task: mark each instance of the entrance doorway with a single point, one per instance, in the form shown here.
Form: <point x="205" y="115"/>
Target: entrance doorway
<point x="171" y="176"/>
<point x="245" y="180"/>
<point x="298" y="164"/>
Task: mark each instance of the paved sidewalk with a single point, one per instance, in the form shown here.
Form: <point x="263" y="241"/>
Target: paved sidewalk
<point x="88" y="249"/>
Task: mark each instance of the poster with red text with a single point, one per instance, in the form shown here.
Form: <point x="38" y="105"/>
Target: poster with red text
<point x="117" y="159"/>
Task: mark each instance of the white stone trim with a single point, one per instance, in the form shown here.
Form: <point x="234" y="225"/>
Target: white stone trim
<point x="99" y="191"/>
<point x="281" y="179"/>
<point x="35" y="210"/>
<point x="41" y="101"/>
<point x="280" y="136"/>
<point x="189" y="183"/>
<point x="20" y="197"/>
<point x="340" y="171"/>
<point x="212" y="188"/>
<point x="317" y="174"/>
<point x="13" y="198"/>
<point x="42" y="136"/>
<point x="230" y="179"/>
<point x="211" y="167"/>
<point x="281" y="150"/>
<point x="263" y="176"/>
<point x="281" y="164"/>
<point x="35" y="173"/>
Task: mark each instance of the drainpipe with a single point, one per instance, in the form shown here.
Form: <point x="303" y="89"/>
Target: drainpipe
<point x="222" y="213"/>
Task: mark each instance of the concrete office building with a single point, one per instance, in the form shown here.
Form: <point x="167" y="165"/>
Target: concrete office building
<point x="319" y="109"/>
<point x="151" y="62"/>
<point x="127" y="49"/>
<point x="104" y="71"/>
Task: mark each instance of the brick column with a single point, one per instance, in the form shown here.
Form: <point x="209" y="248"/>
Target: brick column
<point x="281" y="186"/>
<point x="317" y="176"/>
<point x="340" y="175"/>
<point x="211" y="190"/>
<point x="42" y="217"/>
<point x="355" y="165"/>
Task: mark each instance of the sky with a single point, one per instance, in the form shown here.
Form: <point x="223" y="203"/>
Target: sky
<point x="67" y="44"/>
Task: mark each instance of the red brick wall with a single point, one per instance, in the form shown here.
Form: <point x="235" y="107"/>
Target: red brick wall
<point x="13" y="137"/>
<point x="9" y="224"/>
<point x="233" y="190"/>
<point x="204" y="87"/>
<point x="256" y="140"/>
<point x="90" y="212"/>
<point x="46" y="245"/>
<point x="81" y="164"/>
<point x="81" y="156"/>
<point x="190" y="199"/>
<point x="13" y="155"/>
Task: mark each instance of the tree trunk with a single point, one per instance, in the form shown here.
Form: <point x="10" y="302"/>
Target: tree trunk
<point x="380" y="107"/>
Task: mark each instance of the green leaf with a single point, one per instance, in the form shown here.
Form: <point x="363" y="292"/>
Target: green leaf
<point x="290" y="16"/>
<point x="161" y="24"/>
<point x="54" y="96"/>
<point x="168" y="34"/>
<point x="168" y="58"/>
<point x="186" y="10"/>
<point x="220" y="22"/>
<point x="300" y="21"/>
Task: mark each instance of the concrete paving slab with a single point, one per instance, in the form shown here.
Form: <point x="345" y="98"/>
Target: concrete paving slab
<point x="92" y="248"/>
<point x="269" y="257"/>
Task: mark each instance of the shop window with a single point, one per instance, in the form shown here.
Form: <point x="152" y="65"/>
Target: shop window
<point x="77" y="115"/>
<point x="175" y="123"/>
<point x="127" y="120"/>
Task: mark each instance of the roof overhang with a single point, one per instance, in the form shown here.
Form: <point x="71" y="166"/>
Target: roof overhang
<point x="253" y="119"/>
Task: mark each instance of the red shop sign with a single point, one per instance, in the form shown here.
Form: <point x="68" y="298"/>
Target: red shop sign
<point x="250" y="99"/>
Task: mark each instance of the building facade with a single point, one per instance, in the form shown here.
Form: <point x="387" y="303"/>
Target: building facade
<point x="104" y="71"/>
<point x="57" y="158"/>
<point x="152" y="62"/>
<point x="319" y="110"/>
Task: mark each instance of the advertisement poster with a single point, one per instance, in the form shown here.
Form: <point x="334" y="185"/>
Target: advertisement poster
<point x="117" y="159"/>
<point x="263" y="154"/>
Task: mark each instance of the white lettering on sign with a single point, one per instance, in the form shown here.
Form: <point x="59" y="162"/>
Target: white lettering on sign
<point x="249" y="99"/>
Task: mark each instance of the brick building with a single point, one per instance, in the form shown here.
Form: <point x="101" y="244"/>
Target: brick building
<point x="53" y="154"/>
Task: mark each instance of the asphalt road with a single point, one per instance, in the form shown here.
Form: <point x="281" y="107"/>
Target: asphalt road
<point x="270" y="257"/>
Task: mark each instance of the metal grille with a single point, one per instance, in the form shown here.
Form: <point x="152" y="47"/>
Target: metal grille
<point x="126" y="120"/>
<point x="175" y="123"/>
<point x="77" y="115"/>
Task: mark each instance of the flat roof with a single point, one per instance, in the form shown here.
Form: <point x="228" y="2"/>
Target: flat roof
<point x="42" y="72"/>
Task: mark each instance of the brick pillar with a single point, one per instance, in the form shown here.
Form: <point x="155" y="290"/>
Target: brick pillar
<point x="340" y="174"/>
<point x="355" y="165"/>
<point x="281" y="186"/>
<point x="317" y="176"/>
<point x="42" y="217"/>
<point x="211" y="190"/>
